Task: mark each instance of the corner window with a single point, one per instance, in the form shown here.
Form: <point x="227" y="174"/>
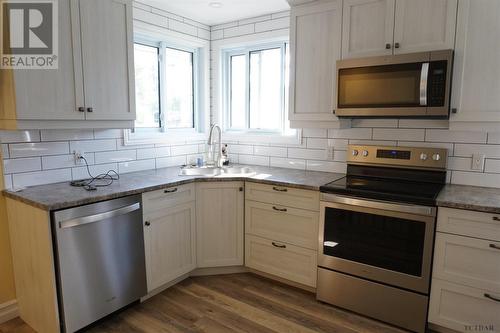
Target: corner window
<point x="256" y="89"/>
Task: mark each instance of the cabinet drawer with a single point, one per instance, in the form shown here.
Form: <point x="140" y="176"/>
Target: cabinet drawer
<point x="295" y="226"/>
<point x="458" y="307"/>
<point x="282" y="195"/>
<point x="168" y="197"/>
<point x="469" y="223"/>
<point x="470" y="261"/>
<point x="287" y="261"/>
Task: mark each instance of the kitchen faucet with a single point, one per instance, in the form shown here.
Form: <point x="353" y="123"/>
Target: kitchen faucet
<point x="219" y="146"/>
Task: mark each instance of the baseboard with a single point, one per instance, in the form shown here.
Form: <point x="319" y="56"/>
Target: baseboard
<point x="219" y="270"/>
<point x="282" y="280"/>
<point x="8" y="311"/>
<point x="440" y="329"/>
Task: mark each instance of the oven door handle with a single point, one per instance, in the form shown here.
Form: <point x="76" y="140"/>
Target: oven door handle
<point x="400" y="208"/>
<point x="424" y="80"/>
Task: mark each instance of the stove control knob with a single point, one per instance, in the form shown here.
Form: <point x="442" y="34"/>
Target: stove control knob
<point x="365" y="153"/>
<point x="355" y="152"/>
<point x="436" y="157"/>
<point x="423" y="156"/>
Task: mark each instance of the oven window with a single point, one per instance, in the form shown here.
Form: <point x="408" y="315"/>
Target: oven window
<point x="387" y="242"/>
<point x="380" y="86"/>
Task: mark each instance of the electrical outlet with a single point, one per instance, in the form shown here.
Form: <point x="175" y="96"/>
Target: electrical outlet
<point x="478" y="162"/>
<point x="331" y="153"/>
<point x="78" y="157"/>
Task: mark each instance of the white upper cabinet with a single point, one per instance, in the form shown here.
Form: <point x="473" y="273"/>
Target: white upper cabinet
<point x="368" y="27"/>
<point x="93" y="86"/>
<point x="424" y="25"/>
<point x="476" y="76"/>
<point x="315" y="44"/>
<point x="385" y="27"/>
<point x="107" y="49"/>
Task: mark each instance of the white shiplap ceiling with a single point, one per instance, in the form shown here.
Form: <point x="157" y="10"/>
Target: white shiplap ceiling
<point x="230" y="10"/>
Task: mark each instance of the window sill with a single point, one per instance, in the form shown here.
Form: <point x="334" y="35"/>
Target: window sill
<point x="174" y="137"/>
<point x="255" y="137"/>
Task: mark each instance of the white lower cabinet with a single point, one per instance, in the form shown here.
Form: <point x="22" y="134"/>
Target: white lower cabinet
<point x="465" y="288"/>
<point x="169" y="240"/>
<point x="219" y="223"/>
<point x="284" y="260"/>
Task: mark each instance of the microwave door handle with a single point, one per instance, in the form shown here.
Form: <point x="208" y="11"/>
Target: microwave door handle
<point x="424" y="80"/>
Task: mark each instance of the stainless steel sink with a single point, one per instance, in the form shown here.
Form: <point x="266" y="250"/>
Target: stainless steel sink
<point x="214" y="171"/>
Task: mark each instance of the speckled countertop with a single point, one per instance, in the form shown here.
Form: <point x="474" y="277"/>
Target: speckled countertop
<point x="62" y="195"/>
<point x="482" y="199"/>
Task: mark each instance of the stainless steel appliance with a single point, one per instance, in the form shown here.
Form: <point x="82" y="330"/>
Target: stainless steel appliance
<point x="99" y="259"/>
<point x="377" y="228"/>
<point x="405" y="85"/>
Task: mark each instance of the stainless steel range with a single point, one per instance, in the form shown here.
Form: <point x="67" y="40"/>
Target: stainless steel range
<point x="376" y="234"/>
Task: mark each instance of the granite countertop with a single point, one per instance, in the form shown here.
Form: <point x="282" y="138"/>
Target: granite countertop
<point x="62" y="195"/>
<point x="482" y="199"/>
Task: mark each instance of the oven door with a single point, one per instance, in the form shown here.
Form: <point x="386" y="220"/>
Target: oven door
<point x="380" y="241"/>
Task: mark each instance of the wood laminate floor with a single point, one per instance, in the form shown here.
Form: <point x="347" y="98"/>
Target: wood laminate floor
<point x="229" y="303"/>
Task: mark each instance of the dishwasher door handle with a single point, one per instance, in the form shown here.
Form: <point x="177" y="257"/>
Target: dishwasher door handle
<point x="99" y="217"/>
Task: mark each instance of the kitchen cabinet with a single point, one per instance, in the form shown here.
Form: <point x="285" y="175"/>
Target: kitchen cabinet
<point x="169" y="234"/>
<point x="385" y="27"/>
<point x="315" y="46"/>
<point x="476" y="77"/>
<point x="465" y="288"/>
<point x="219" y="223"/>
<point x="93" y="86"/>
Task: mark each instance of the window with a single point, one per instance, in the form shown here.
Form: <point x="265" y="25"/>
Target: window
<point x="256" y="88"/>
<point x="165" y="87"/>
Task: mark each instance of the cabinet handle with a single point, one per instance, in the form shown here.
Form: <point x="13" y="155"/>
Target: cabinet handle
<point x="491" y="297"/>
<point x="388" y="46"/>
<point x="494" y="246"/>
<point x="279" y="209"/>
<point x="90" y="109"/>
<point x="81" y="109"/>
<point x="496" y="218"/>
<point x="147" y="223"/>
<point x="280" y="189"/>
<point x="281" y="246"/>
<point x="241" y="189"/>
<point x="397" y="45"/>
<point x="170" y="191"/>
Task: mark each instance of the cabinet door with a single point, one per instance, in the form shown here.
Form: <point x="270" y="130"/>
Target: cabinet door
<point x="368" y="28"/>
<point x="315" y="43"/>
<point x="219" y="224"/>
<point x="476" y="75"/>
<point x="170" y="244"/>
<point x="107" y="51"/>
<point x="54" y="94"/>
<point x="424" y="25"/>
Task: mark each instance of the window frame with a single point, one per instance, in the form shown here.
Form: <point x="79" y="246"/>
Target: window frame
<point x="155" y="36"/>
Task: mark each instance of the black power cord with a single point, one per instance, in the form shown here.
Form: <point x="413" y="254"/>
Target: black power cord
<point x="101" y="180"/>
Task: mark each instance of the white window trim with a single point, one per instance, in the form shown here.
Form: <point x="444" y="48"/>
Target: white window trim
<point x="219" y="49"/>
<point x="151" y="34"/>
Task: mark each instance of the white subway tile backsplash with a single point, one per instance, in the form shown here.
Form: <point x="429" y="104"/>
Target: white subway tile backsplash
<point x="444" y="145"/>
<point x="270" y="151"/>
<point x="22" y="165"/>
<point x="41" y="177"/>
<point x="289" y="163"/>
<point x="439" y="135"/>
<point x="65" y="135"/>
<point x="467" y="150"/>
<point x="133" y="166"/>
<point x="339" y="143"/>
<point x="239" y="30"/>
<point x="254" y="19"/>
<point x="387" y="123"/>
<point x="240" y="149"/>
<point x="372" y="143"/>
<point x="184" y="150"/>
<point x="5" y="151"/>
<point x="7" y="179"/>
<point x="87" y="146"/>
<point x="461" y="164"/>
<point x="95" y="170"/>
<point x="147" y="153"/>
<point x="314" y="132"/>
<point x="38" y="149"/>
<point x="115" y="156"/>
<point x="476" y="179"/>
<point x="308" y="154"/>
<point x="204" y="34"/>
<point x="182" y="27"/>
<point x="217" y="34"/>
<point x="64" y="161"/>
<point x="19" y="136"/>
<point x="340" y="155"/>
<point x="254" y="159"/>
<point x="276" y="24"/>
<point x="494" y="138"/>
<point x="165" y="162"/>
<point x="280" y="14"/>
<point x="423" y="123"/>
<point x="398" y="134"/>
<point x="326" y="166"/>
<point x="492" y="166"/>
<point x="149" y="17"/>
<point x="350" y="133"/>
<point x="316" y="143"/>
<point x="108" y="133"/>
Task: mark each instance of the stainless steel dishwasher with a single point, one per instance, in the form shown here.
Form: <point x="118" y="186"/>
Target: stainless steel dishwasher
<point x="99" y="259"/>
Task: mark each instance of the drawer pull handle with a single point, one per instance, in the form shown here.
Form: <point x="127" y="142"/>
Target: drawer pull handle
<point x="279" y="209"/>
<point x="492" y="298"/>
<point x="496" y="218"/>
<point x="281" y="246"/>
<point x="170" y="191"/>
<point x="494" y="246"/>
<point x="280" y="189"/>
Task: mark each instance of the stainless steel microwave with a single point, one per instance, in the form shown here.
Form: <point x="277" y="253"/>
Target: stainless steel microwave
<point x="405" y="85"/>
